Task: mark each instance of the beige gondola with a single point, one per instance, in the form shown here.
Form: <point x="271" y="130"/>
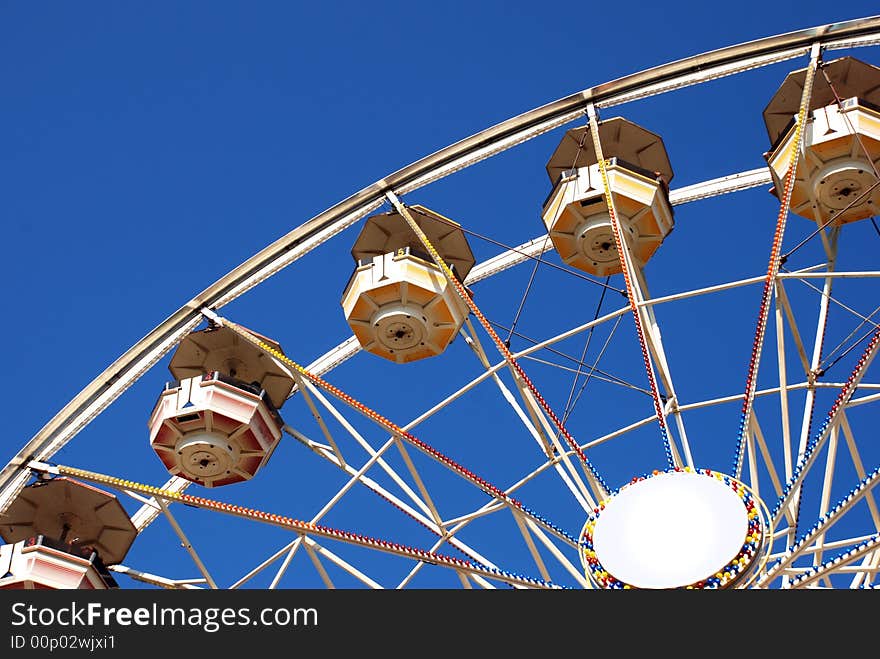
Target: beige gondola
<point x="576" y="213"/>
<point x="835" y="180"/>
<point x="398" y="302"/>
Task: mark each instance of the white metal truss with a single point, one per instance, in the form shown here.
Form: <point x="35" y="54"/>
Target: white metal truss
<point x="417" y="501"/>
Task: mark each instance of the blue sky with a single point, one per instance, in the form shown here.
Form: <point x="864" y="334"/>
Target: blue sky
<point x="147" y="149"/>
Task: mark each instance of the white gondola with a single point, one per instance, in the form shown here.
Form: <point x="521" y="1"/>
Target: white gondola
<point x="61" y="534"/>
<point x="219" y="424"/>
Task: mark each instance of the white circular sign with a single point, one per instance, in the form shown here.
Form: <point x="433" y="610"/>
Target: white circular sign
<point x="671" y="530"/>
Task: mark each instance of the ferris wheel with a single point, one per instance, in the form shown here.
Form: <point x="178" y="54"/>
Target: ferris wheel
<point x="649" y="386"/>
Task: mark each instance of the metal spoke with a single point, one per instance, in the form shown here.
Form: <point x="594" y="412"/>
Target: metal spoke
<point x="186" y="544"/>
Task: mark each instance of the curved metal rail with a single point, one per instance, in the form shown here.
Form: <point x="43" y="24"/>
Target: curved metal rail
<point x="122" y="373"/>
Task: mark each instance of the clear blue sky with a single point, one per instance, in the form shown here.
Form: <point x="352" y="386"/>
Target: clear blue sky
<point x="148" y="148"/>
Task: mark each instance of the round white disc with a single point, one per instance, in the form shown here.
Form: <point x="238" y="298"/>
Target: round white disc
<point x="670" y="530"/>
